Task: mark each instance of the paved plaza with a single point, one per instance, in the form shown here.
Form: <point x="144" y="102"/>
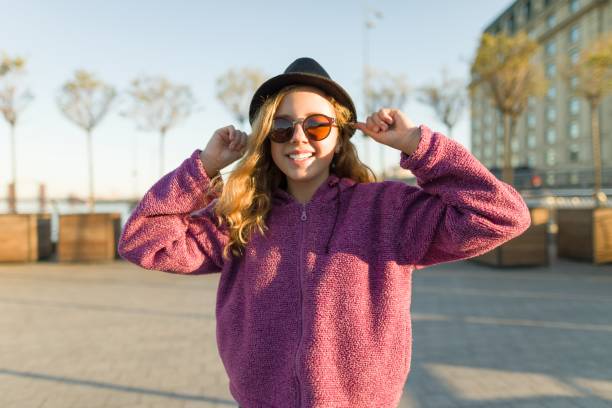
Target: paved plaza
<point x="113" y="335"/>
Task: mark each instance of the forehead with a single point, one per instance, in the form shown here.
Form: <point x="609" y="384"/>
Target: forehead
<point x="303" y="101"/>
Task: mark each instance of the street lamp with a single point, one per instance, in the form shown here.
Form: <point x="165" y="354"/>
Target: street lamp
<point x="369" y="18"/>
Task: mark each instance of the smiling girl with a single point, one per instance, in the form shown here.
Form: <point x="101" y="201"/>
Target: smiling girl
<point x="315" y="256"/>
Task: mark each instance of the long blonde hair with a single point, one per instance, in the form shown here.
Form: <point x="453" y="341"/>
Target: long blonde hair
<point x="245" y="199"/>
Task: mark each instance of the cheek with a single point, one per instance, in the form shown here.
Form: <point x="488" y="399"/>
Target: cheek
<point x="276" y="154"/>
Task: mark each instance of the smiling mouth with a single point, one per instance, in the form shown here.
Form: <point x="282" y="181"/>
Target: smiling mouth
<point x="299" y="157"/>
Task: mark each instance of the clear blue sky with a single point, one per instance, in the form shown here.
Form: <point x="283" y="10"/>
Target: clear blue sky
<point x="193" y="42"/>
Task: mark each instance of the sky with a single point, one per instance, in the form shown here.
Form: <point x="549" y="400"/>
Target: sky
<point x="193" y="43"/>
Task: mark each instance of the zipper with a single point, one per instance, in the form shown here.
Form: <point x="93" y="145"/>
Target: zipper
<point x="300" y="263"/>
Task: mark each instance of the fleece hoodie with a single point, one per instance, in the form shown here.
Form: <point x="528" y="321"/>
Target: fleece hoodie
<point x="316" y="313"/>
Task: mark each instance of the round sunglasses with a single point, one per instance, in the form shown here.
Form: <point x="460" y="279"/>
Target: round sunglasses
<point x="316" y="127"/>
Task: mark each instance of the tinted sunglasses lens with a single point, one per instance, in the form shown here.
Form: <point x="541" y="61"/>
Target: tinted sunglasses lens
<point x="281" y="130"/>
<point x="317" y="126"/>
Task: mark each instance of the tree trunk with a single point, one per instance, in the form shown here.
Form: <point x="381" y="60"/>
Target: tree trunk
<point x="135" y="171"/>
<point x="90" y="200"/>
<point x="507" y="174"/>
<point x="12" y="199"/>
<point x="162" y="135"/>
<point x="598" y="195"/>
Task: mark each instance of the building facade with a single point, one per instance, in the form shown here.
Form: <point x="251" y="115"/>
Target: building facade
<point x="552" y="145"/>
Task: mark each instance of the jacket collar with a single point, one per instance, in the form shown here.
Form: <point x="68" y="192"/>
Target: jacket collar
<point x="326" y="192"/>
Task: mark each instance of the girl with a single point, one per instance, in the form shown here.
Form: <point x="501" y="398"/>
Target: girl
<point x="315" y="256"/>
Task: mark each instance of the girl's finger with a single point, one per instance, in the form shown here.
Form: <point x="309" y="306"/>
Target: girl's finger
<point x="380" y="123"/>
<point x="385" y="114"/>
<point x="371" y="125"/>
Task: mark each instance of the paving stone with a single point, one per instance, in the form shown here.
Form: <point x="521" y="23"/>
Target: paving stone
<point x="117" y="336"/>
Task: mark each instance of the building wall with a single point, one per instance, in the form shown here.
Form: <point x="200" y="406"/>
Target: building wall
<point x="553" y="134"/>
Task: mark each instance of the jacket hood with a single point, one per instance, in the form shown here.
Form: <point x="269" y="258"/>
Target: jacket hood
<point x="327" y="191"/>
<point x="330" y="190"/>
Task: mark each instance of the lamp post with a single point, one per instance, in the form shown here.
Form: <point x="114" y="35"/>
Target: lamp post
<point x="369" y="17"/>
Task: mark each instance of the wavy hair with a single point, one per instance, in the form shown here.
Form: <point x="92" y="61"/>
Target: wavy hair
<point x="245" y="199"/>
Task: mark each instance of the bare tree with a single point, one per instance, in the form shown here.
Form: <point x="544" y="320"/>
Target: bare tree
<point x="386" y="90"/>
<point x="235" y="89"/>
<point x="504" y="65"/>
<point x="448" y="100"/>
<point x="13" y="101"/>
<point x="85" y="100"/>
<point x="159" y="105"/>
<point x="593" y="73"/>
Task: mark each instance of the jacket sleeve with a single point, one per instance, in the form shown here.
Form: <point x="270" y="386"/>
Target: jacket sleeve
<point x="461" y="209"/>
<point x="172" y="228"/>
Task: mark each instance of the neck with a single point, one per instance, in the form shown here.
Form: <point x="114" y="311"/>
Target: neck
<point x="303" y="191"/>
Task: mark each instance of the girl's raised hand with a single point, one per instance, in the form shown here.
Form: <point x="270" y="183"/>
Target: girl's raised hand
<point x="392" y="128"/>
<point x="227" y="145"/>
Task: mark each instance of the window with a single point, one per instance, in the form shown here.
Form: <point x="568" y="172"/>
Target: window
<point x="531" y="120"/>
<point x="573" y="82"/>
<point x="551" y="21"/>
<point x="527" y="10"/>
<point x="552" y="92"/>
<point x="551" y="135"/>
<point x="531" y="102"/>
<point x="574" y="56"/>
<point x="531" y="160"/>
<point x="550" y="157"/>
<point x="574" y="179"/>
<point x="547" y="3"/>
<point x="531" y="139"/>
<point x="488" y="152"/>
<point x="511" y="24"/>
<point x="500" y="130"/>
<point x="551" y="114"/>
<point x="515" y="144"/>
<point x="550" y="179"/>
<point x="551" y="48"/>
<point x="487" y="136"/>
<point x="574" y="6"/>
<point x="574" y="153"/>
<point x="574" y="106"/>
<point x="574" y="34"/>
<point x="573" y="130"/>
<point x="551" y="70"/>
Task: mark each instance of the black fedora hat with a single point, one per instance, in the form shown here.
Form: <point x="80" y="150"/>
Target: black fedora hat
<point x="302" y="71"/>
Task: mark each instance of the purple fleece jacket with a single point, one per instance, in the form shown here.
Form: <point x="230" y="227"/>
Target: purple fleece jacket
<point x="317" y="312"/>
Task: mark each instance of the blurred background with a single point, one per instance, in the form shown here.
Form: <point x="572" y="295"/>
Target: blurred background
<point x="99" y="99"/>
<point x="196" y="44"/>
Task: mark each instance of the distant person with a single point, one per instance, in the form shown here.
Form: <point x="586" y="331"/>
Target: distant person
<point x="316" y="256"/>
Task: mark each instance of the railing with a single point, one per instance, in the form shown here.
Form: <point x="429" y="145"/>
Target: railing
<point x="529" y="178"/>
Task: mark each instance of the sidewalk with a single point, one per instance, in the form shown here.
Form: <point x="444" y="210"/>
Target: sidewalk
<point x="113" y="335"/>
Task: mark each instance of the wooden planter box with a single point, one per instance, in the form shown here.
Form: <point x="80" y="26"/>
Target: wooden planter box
<point x="88" y="237"/>
<point x="528" y="249"/>
<point x="585" y="234"/>
<point x="25" y="237"/>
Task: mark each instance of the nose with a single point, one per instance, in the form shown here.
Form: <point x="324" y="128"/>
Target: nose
<point x="298" y="134"/>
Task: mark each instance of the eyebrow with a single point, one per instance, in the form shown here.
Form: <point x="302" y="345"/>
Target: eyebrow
<point x="308" y="114"/>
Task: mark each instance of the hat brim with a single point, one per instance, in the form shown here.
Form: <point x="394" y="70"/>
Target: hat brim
<point x="275" y="84"/>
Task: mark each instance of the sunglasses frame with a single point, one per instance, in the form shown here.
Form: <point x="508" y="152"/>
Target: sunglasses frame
<point x="301" y="122"/>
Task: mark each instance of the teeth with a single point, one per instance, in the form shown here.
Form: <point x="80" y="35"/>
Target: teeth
<point x="300" y="156"/>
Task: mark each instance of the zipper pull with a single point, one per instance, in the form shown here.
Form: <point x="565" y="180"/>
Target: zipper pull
<point x="303" y="212"/>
